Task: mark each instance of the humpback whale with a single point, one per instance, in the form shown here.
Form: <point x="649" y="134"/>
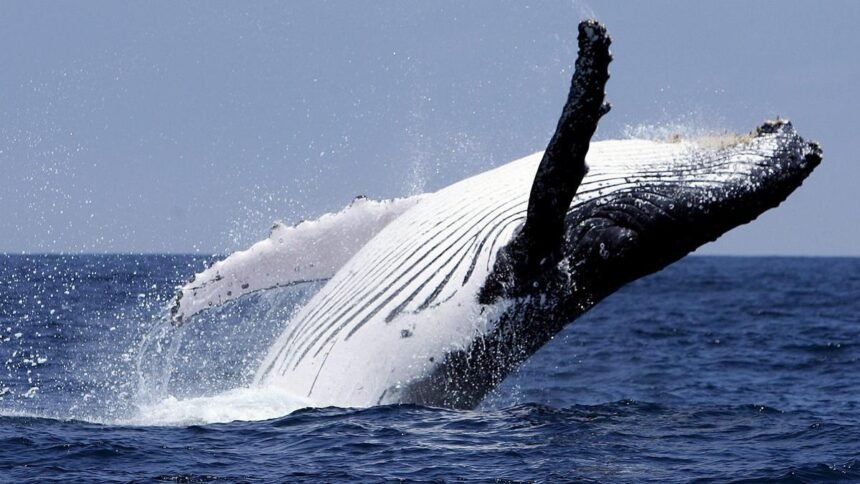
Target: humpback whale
<point x="435" y="299"/>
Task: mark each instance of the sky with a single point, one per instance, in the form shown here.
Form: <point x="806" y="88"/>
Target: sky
<point x="188" y="127"/>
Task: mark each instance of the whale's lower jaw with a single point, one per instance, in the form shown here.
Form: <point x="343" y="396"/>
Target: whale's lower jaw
<point x="608" y="244"/>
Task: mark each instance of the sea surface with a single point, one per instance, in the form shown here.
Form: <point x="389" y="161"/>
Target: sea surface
<point x="716" y="369"/>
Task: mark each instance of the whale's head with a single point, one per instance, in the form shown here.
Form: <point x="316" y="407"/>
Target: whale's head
<point x="666" y="209"/>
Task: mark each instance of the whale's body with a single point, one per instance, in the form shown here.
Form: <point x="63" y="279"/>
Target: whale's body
<point x="434" y="299"/>
<point x="401" y="318"/>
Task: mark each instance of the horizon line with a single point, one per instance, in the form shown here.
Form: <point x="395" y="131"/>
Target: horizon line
<point x="216" y="254"/>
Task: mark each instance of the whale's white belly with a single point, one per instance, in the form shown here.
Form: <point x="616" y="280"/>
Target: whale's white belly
<point x="408" y="297"/>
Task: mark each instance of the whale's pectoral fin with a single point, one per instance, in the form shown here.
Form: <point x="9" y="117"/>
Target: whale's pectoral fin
<point x="308" y="252"/>
<point x="536" y="248"/>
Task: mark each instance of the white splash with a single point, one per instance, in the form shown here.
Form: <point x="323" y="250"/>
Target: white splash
<point x="240" y="404"/>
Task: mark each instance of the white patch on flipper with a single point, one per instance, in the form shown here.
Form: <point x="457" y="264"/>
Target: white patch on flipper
<point x="309" y="251"/>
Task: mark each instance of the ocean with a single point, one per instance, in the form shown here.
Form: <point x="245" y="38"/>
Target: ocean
<point x="724" y="369"/>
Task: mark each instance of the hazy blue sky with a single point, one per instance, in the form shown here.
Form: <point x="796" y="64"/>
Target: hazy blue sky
<point x="182" y="127"/>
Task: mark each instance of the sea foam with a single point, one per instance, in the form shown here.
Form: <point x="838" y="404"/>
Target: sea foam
<point x="240" y="404"/>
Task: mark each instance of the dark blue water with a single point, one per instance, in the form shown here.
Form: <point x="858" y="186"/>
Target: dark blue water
<point x="719" y="369"/>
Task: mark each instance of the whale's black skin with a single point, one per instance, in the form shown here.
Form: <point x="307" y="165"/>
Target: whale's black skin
<point x="563" y="262"/>
<point x="607" y="244"/>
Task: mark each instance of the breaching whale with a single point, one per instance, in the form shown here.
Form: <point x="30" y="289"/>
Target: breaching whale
<point x="435" y="299"/>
